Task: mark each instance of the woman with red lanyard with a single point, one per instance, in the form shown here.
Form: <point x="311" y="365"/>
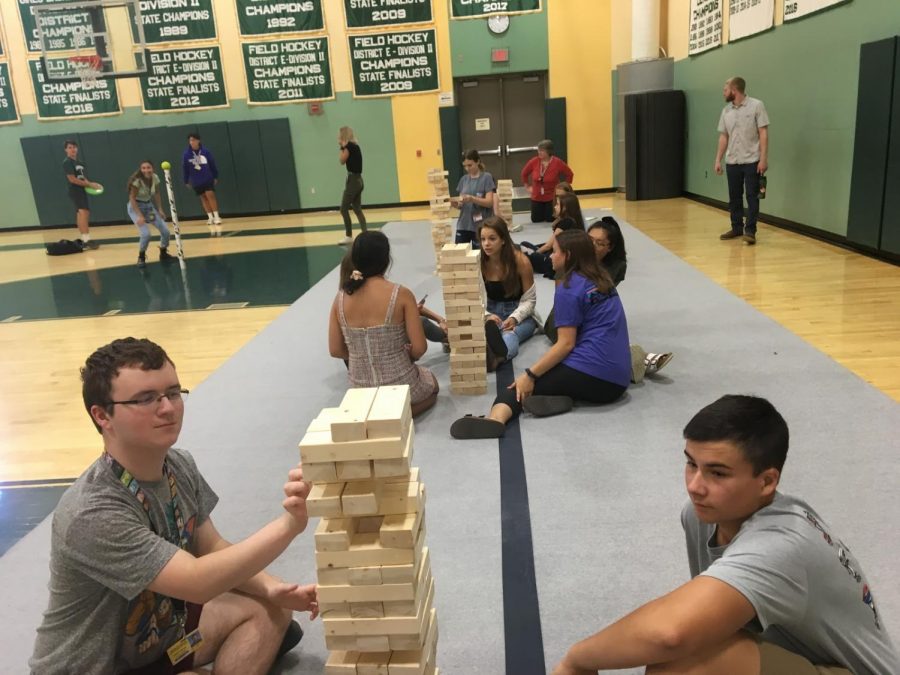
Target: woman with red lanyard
<point x="542" y="173"/>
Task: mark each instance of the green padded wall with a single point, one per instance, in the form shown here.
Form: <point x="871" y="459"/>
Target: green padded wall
<point x="249" y="167"/>
<point x="278" y="157"/>
<point x="555" y="126"/>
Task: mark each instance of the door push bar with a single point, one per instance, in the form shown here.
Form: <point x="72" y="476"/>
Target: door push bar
<point x="497" y="152"/>
<point x="529" y="148"/>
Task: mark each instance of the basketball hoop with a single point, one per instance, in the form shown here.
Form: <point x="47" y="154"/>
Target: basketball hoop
<point x="87" y="68"/>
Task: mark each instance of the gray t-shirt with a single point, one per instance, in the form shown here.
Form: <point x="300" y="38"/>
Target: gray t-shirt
<point x="103" y="555"/>
<point x="471" y="215"/>
<point x="808" y="590"/>
<point x="742" y="124"/>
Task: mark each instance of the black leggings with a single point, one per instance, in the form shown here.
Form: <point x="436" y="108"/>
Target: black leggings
<point x="541" y="212"/>
<point x="352" y="199"/>
<point x="561" y="380"/>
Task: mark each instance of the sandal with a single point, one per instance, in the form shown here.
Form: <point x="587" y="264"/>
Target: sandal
<point x="471" y="427"/>
<point x="547" y="406"/>
<point x="638" y="363"/>
<point x="494" y="337"/>
<point x="656" y="362"/>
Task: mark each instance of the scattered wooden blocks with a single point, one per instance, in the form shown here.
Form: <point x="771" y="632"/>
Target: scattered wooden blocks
<point x="375" y="585"/>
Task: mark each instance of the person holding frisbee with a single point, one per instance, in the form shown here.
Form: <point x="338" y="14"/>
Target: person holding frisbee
<point x="145" y="206"/>
<point x="78" y="185"/>
<point x="200" y="173"/>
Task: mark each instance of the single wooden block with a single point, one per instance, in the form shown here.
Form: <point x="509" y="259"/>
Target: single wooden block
<point x="324" y="500"/>
<point x="337" y="576"/>
<point x="390" y="413"/>
<point x="341" y="663"/>
<point x="350" y="423"/>
<point x="341" y="607"/>
<point x="399" y="608"/>
<point x="321" y="472"/>
<point x="317" y="446"/>
<point x="383" y="468"/>
<point x="346" y="643"/>
<point x="356" y="469"/>
<point x="333" y="534"/>
<point x="400" y="531"/>
<point x="397" y="498"/>
<point x="373" y="663"/>
<point x="365" y="576"/>
<point x="360" y="498"/>
<point x="373" y="643"/>
<point x="366" y="610"/>
<point x="416" y="660"/>
<point x="456" y="249"/>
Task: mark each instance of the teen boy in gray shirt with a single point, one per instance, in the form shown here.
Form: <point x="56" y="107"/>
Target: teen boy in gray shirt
<point x="773" y="592"/>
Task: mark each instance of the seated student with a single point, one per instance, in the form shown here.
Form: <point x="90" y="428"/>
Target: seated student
<point x="590" y="361"/>
<point x="773" y="589"/>
<point x="568" y="217"/>
<point x="609" y="245"/>
<point x="136" y="564"/>
<point x="375" y="326"/>
<point x="511" y="294"/>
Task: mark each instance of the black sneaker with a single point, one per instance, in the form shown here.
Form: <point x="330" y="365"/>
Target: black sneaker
<point x="494" y="337"/>
<point x="291" y="639"/>
<point x="142" y="259"/>
<point x="164" y="255"/>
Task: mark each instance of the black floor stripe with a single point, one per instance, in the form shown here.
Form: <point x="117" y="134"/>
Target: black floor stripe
<point x="521" y="612"/>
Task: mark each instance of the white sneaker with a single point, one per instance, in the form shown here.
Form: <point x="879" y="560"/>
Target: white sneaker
<point x="516" y="227"/>
<point x="346" y="240"/>
<point x="217" y="221"/>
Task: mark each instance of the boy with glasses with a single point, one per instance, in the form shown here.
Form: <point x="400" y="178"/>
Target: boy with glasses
<point x="141" y="580"/>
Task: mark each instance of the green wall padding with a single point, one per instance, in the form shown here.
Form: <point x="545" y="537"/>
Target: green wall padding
<point x="555" y="126"/>
<point x="278" y="157"/>
<point x="249" y="167"/>
<point x="451" y="144"/>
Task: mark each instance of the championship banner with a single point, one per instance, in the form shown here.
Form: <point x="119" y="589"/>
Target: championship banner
<point x="283" y="71"/>
<point x="705" y="31"/>
<point x="189" y="78"/>
<point x="8" y="111"/>
<point x="175" y="20"/>
<point x="60" y="31"/>
<point x="376" y="13"/>
<point x="65" y="100"/>
<point x="797" y="9"/>
<point x="270" y="17"/>
<point x="749" y="17"/>
<point x="471" y="9"/>
<point x="384" y="64"/>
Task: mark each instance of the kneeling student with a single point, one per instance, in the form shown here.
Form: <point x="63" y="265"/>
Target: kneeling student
<point x="774" y="591"/>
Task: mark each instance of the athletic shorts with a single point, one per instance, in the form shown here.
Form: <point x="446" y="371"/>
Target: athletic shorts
<point x="79" y="199"/>
<point x="201" y="189"/>
<point x="775" y="660"/>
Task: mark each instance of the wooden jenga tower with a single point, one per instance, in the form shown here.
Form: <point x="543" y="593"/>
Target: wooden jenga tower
<point x="376" y="592"/>
<point x="460" y="272"/>
<point x="441" y="224"/>
<point x="505" y="197"/>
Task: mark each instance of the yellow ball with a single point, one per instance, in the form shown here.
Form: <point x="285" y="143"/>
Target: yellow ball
<point x="165" y="166"/>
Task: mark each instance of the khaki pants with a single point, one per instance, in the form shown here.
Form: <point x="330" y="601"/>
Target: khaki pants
<point x="775" y="660"/>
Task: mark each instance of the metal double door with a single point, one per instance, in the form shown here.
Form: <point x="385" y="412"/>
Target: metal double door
<point x="503" y="118"/>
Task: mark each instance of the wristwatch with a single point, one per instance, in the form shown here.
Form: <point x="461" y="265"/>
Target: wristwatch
<point x="531" y="374"/>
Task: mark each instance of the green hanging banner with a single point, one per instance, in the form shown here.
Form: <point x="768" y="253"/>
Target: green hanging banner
<point x="385" y="64"/>
<point x="61" y="29"/>
<point x="175" y="20"/>
<point x="470" y="9"/>
<point x="67" y="99"/>
<point x="8" y="112"/>
<point x="270" y="17"/>
<point x="282" y="71"/>
<point x="376" y="13"/>
<point x="188" y="78"/>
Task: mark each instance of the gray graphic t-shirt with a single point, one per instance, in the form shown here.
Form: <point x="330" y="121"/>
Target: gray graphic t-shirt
<point x="101" y="617"/>
<point x="809" y="592"/>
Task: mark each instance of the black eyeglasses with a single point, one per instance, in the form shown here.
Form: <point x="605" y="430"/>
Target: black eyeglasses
<point x="152" y="398"/>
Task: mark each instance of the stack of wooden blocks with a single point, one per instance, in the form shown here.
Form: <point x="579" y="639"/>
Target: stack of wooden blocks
<point x="460" y="272"/>
<point x="441" y="224"/>
<point x="504" y="198"/>
<point x="376" y="592"/>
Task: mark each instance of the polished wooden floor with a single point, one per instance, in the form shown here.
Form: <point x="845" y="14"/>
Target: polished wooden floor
<point x="844" y="304"/>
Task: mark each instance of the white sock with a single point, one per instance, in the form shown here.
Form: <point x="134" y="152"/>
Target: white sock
<point x="215" y="215"/>
<point x="209" y="218"/>
<point x="86" y="237"/>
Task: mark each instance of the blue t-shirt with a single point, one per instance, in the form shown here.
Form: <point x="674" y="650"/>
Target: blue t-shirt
<point x="470" y="215"/>
<point x="601" y="346"/>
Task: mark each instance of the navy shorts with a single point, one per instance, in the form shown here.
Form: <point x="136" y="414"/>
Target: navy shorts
<point x="79" y="199"/>
<point x="201" y="189"/>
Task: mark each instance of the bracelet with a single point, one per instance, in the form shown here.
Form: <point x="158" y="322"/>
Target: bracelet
<point x="531" y="374"/>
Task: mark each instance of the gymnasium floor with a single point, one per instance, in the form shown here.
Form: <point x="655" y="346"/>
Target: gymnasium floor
<point x="839" y="304"/>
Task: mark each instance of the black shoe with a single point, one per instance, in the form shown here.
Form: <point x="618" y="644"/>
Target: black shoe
<point x="291" y="639"/>
<point x="731" y="234"/>
<point x="469" y="428"/>
<point x="142" y="260"/>
<point x="164" y="255"/>
<point x="495" y="341"/>
<point x="546" y="406"/>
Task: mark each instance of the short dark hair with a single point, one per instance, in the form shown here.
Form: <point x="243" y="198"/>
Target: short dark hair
<point x="371" y="257"/>
<point x="194" y="134"/>
<point x="749" y="422"/>
<point x="104" y="364"/>
<point x="616" y="239"/>
<point x="738" y="83"/>
<point x="68" y="142"/>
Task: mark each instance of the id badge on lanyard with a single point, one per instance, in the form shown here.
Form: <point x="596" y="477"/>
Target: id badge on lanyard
<point x="541" y="179"/>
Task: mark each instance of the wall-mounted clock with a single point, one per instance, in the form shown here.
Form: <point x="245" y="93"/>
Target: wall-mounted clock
<point x="498" y="24"/>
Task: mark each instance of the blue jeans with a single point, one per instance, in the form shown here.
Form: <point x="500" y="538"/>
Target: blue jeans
<point x="515" y="337"/>
<point x="739" y="176"/>
<point x="151" y="215"/>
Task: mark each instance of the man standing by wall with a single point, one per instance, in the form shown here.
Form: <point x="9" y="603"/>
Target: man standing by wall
<point x="74" y="170"/>
<point x="744" y="141"/>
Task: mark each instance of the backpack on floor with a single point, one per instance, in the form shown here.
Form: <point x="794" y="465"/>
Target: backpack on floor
<point x="65" y="247"/>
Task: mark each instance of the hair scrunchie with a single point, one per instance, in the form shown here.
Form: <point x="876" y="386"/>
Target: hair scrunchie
<point x="356" y="275"/>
